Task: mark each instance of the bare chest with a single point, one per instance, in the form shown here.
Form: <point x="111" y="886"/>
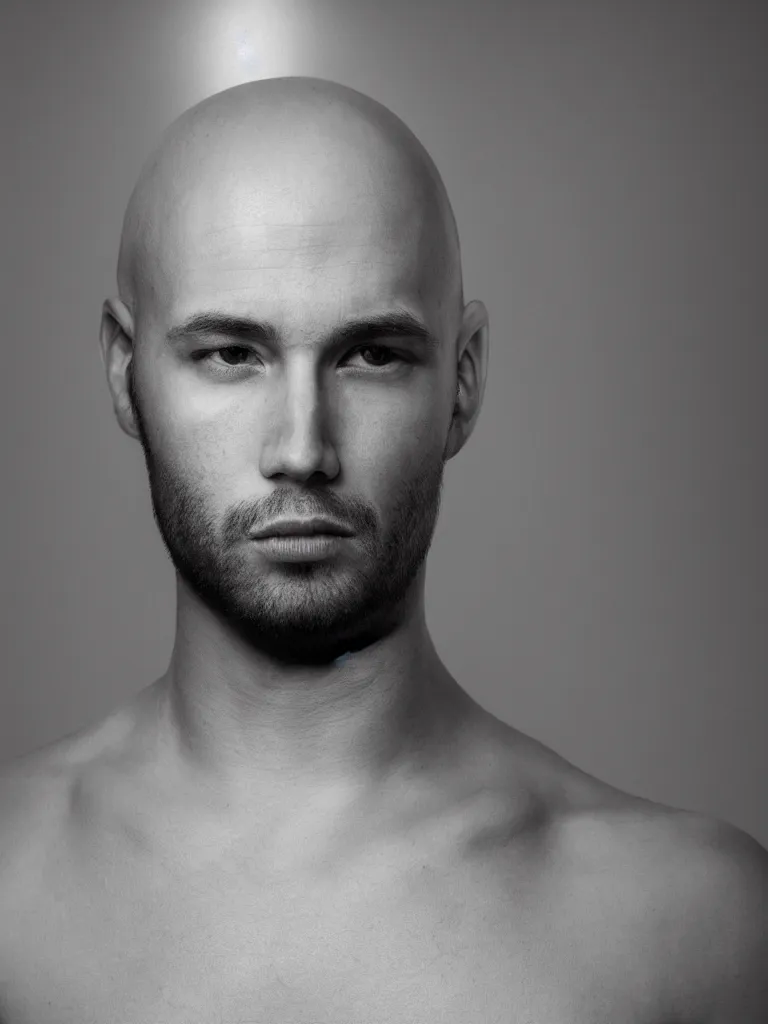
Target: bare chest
<point x="466" y="941"/>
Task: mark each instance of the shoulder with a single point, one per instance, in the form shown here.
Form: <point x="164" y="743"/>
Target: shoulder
<point x="693" y="890"/>
<point x="687" y="892"/>
<point x="34" y="796"/>
<point x="34" y="807"/>
<point x="42" y="817"/>
<point x="37" y="787"/>
<point x="37" y="794"/>
<point x="720" y="893"/>
<point x="672" y="901"/>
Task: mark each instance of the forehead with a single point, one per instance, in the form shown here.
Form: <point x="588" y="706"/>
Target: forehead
<point x="297" y="253"/>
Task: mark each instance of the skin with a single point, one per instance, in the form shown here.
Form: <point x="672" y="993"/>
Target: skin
<point x="307" y="817"/>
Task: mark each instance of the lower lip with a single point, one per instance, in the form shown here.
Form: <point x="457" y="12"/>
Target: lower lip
<point x="300" y="548"/>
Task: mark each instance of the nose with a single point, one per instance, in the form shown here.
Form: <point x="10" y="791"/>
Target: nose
<point x="297" y="444"/>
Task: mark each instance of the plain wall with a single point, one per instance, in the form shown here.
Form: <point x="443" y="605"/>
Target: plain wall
<point x="599" y="577"/>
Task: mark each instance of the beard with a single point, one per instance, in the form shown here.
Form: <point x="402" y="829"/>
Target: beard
<point x="298" y="613"/>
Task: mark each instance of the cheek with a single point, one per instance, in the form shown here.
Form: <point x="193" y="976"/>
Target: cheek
<point x="196" y="451"/>
<point x="194" y="425"/>
<point x="395" y="442"/>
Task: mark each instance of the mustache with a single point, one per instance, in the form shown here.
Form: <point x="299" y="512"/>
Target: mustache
<point x="286" y="503"/>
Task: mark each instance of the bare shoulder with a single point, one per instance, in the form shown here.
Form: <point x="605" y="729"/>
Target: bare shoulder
<point x="33" y="789"/>
<point x="36" y="792"/>
<point x="714" y="877"/>
<point x="683" y="893"/>
<point x="34" y="796"/>
<point x="695" y="890"/>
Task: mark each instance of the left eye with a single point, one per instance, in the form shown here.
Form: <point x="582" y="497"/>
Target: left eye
<point x="236" y="349"/>
<point x="378" y="351"/>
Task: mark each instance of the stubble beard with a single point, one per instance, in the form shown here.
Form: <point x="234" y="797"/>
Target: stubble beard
<point x="297" y="613"/>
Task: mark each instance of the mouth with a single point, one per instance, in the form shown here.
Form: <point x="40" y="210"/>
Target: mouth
<point x="302" y="528"/>
<point x="300" y="547"/>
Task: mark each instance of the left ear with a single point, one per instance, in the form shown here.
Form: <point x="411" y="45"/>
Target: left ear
<point x="471" y="371"/>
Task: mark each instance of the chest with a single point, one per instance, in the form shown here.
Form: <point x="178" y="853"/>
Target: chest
<point x="451" y="942"/>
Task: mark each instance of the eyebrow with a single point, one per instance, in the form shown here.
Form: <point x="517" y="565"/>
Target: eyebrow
<point x="395" y="324"/>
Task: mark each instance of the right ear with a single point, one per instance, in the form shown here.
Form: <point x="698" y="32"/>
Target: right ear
<point x="116" y="343"/>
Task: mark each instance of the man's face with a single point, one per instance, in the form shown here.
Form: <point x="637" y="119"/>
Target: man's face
<point x="238" y="433"/>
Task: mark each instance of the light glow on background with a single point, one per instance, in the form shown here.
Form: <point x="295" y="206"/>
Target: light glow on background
<point x="243" y="41"/>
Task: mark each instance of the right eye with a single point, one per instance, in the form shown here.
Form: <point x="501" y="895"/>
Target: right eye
<point x="207" y="356"/>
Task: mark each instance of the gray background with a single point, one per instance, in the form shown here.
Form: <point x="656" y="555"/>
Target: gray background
<point x="599" y="577"/>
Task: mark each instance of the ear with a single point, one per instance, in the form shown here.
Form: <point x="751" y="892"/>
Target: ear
<point x="117" y="352"/>
<point x="472" y="368"/>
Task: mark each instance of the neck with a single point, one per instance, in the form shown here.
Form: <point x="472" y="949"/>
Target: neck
<point x="250" y="728"/>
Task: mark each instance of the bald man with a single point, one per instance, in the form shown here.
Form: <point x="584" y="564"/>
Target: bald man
<point x="306" y="819"/>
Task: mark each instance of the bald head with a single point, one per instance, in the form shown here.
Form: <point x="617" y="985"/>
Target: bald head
<point x="292" y="174"/>
<point x="290" y="301"/>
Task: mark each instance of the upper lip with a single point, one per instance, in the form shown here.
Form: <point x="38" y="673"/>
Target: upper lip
<point x="302" y="527"/>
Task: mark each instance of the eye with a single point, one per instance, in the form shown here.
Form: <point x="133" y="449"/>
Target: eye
<point x="378" y="353"/>
<point x="235" y="350"/>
